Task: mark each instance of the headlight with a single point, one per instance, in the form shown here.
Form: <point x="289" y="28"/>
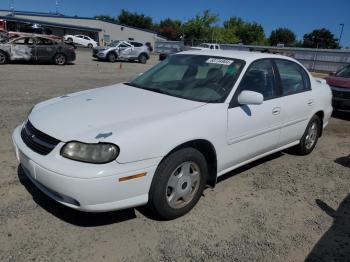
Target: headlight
<point x="100" y="153"/>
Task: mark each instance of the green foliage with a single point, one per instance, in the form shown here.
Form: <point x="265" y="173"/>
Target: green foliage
<point x="282" y="36"/>
<point x="224" y="35"/>
<point x="135" y="19"/>
<point x="247" y="33"/>
<point x="200" y="27"/>
<point x="320" y="38"/>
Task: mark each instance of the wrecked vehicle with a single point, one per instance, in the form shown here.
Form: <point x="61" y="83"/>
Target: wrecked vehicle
<point x="122" y="50"/>
<point x="36" y="48"/>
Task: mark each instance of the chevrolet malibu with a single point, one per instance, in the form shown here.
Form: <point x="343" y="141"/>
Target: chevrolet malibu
<point x="163" y="137"/>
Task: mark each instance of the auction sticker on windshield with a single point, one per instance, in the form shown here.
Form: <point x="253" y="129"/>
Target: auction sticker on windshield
<point x="219" y="61"/>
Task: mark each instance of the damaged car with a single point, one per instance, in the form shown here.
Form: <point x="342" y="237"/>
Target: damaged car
<point x="122" y="50"/>
<point x="36" y="48"/>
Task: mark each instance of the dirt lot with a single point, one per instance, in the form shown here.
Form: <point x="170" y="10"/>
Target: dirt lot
<point x="277" y="209"/>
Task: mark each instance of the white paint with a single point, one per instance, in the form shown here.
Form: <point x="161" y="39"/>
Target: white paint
<point x="147" y="126"/>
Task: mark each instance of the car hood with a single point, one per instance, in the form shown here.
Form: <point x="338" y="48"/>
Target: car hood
<point x="93" y="115"/>
<point x="338" y="81"/>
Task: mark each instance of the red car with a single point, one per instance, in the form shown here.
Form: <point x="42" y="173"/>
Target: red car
<point x="340" y="85"/>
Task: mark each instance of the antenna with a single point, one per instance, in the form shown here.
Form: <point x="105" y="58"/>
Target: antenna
<point x="57" y="6"/>
<point x="12" y="7"/>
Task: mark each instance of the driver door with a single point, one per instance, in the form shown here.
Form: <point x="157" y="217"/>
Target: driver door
<point x="254" y="129"/>
<point x="23" y="49"/>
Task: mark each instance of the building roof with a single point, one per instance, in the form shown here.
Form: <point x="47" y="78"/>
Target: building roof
<point x="58" y="15"/>
<point x="52" y="24"/>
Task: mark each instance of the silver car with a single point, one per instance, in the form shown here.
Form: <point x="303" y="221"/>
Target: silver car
<point x="122" y="50"/>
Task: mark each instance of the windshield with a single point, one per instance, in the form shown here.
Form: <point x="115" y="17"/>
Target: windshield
<point x="195" y="77"/>
<point x="113" y="44"/>
<point x="344" y="72"/>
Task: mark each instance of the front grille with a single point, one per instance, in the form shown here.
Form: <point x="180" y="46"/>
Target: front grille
<point x="337" y="93"/>
<point x="38" y="141"/>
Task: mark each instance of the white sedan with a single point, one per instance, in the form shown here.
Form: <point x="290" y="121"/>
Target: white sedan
<point x="162" y="138"/>
<point x="82" y="40"/>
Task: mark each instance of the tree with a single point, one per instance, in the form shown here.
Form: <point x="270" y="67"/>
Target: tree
<point x="171" y="29"/>
<point x="320" y="38"/>
<point x="282" y="36"/>
<point x="224" y="35"/>
<point x="200" y="27"/>
<point x="247" y="33"/>
<point x="135" y="19"/>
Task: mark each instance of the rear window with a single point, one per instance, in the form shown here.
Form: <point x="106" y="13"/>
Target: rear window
<point x="344" y="72"/>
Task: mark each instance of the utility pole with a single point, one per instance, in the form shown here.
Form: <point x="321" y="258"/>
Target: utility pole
<point x="341" y="33"/>
<point x="12" y="7"/>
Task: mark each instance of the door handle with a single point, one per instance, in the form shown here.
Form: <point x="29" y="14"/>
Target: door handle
<point x="276" y="110"/>
<point x="310" y="102"/>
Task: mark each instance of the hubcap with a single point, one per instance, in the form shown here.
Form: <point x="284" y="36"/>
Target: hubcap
<point x="60" y="59"/>
<point x="311" y="136"/>
<point x="183" y="185"/>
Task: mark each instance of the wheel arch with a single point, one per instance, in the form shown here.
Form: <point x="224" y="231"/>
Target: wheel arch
<point x="320" y="114"/>
<point x="145" y="54"/>
<point x="208" y="151"/>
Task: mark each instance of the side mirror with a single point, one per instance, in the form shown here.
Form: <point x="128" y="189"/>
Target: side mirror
<point x="250" y="98"/>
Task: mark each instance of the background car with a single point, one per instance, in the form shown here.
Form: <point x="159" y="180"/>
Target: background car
<point x="36" y="48"/>
<point x="82" y="40"/>
<point x="123" y="50"/>
<point x="340" y="85"/>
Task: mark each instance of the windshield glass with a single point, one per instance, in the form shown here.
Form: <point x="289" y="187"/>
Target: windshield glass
<point x="344" y="72"/>
<point x="113" y="44"/>
<point x="195" y="77"/>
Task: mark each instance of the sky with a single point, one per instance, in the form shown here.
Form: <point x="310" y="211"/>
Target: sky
<point x="301" y="16"/>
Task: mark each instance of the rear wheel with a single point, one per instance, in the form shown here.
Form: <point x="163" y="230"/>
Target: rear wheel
<point x="3" y="58"/>
<point x="111" y="57"/>
<point x="310" y="137"/>
<point x="178" y="183"/>
<point x="90" y="46"/>
<point x="70" y="40"/>
<point x="60" y="59"/>
<point x="142" y="59"/>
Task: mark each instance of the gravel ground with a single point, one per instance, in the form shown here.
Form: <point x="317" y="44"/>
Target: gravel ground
<point x="281" y="208"/>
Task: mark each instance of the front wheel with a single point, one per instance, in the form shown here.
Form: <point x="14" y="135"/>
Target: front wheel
<point x="90" y="46"/>
<point x="178" y="183"/>
<point x="60" y="59"/>
<point x="3" y="58"/>
<point x="310" y="137"/>
<point x="111" y="57"/>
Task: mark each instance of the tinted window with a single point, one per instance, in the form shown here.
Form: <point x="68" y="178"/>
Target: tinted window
<point x="86" y="38"/>
<point x="44" y="41"/>
<point x="293" y="78"/>
<point x="124" y="45"/>
<point x="260" y="78"/>
<point x="344" y="72"/>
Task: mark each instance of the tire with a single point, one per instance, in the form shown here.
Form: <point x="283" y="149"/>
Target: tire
<point x="111" y="57"/>
<point x="60" y="59"/>
<point x="178" y="183"/>
<point x="70" y="40"/>
<point x="142" y="59"/>
<point x="90" y="46"/>
<point x="310" y="137"/>
<point x="3" y="58"/>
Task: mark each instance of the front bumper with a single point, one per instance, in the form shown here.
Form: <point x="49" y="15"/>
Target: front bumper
<point x="97" y="191"/>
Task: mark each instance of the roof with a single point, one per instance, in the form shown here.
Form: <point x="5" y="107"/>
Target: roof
<point x="58" y="15"/>
<point x="52" y="24"/>
<point x="236" y="54"/>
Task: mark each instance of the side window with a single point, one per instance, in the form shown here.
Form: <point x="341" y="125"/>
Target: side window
<point x="294" y="79"/>
<point x="86" y="38"/>
<point x="24" y="41"/>
<point x="44" y="41"/>
<point x="260" y="78"/>
<point x="123" y="45"/>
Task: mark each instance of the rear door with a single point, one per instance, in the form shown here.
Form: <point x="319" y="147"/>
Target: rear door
<point x="296" y="101"/>
<point x="125" y="50"/>
<point x="254" y="129"/>
<point x="45" y="49"/>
